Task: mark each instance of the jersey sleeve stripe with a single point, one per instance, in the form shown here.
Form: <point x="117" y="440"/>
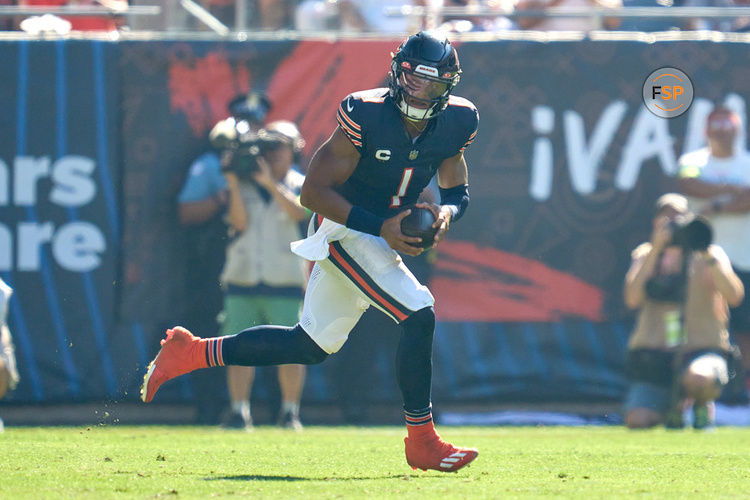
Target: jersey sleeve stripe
<point x="347" y="128"/>
<point x="466" y="145"/>
<point x="351" y="122"/>
<point x="352" y="139"/>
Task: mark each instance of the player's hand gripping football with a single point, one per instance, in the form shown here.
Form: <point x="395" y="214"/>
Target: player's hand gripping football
<point x="442" y="220"/>
<point x="391" y="233"/>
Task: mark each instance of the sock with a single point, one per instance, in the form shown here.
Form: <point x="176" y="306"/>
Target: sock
<point x="290" y="407"/>
<point x="419" y="422"/>
<point x="414" y="359"/>
<point x="264" y="346"/>
<point x="214" y="355"/>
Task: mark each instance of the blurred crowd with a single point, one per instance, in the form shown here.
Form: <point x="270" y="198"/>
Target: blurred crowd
<point x="367" y="16"/>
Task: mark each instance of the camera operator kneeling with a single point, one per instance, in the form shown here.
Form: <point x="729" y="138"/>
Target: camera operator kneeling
<point x="682" y="286"/>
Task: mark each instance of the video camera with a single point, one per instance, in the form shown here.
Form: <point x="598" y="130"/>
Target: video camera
<point x="240" y="147"/>
<point x="244" y="153"/>
<point x="692" y="233"/>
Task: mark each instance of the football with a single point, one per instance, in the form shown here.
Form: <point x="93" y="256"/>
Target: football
<point x="419" y="223"/>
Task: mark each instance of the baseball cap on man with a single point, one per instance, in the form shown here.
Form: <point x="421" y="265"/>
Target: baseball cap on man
<point x="675" y="201"/>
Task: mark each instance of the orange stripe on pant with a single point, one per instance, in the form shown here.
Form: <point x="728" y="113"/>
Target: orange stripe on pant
<point x="373" y="294"/>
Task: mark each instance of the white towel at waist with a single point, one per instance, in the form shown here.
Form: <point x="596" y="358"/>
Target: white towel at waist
<point x="315" y="246"/>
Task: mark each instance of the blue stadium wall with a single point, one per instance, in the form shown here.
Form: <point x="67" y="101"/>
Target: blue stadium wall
<point x="98" y="137"/>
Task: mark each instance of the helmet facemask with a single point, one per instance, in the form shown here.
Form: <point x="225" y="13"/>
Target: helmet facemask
<point x="418" y="90"/>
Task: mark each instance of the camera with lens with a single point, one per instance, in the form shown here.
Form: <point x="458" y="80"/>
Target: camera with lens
<point x="241" y="156"/>
<point x="691" y="233"/>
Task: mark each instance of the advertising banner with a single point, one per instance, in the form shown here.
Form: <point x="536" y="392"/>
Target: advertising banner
<point x="60" y="224"/>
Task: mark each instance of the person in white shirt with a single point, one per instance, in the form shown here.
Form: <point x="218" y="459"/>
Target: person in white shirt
<point x="716" y="180"/>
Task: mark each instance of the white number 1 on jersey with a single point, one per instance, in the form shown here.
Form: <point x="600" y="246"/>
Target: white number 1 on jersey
<point x="396" y="200"/>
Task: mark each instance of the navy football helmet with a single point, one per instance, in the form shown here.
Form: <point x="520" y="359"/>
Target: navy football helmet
<point x="424" y="70"/>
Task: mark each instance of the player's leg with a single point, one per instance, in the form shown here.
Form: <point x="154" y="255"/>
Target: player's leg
<point x="424" y="447"/>
<point x="286" y="311"/>
<point x="388" y="284"/>
<point x="182" y="352"/>
<point x="331" y="310"/>
<point x="414" y="360"/>
<point x="240" y="311"/>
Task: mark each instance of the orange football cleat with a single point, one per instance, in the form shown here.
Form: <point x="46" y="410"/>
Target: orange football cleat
<point x="434" y="453"/>
<point x="181" y="352"/>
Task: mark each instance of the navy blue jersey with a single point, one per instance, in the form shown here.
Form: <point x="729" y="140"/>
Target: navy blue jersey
<point x="393" y="169"/>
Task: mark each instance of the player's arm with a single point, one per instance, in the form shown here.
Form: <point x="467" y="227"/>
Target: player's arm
<point x="330" y="166"/>
<point x="453" y="179"/>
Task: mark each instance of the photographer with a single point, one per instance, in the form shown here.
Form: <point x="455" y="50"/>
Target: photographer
<point x="716" y="180"/>
<point x="682" y="286"/>
<point x="263" y="281"/>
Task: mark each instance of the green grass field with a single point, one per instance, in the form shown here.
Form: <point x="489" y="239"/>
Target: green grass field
<point x="345" y="462"/>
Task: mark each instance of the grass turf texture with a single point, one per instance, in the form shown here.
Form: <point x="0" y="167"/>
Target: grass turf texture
<point x="345" y="462"/>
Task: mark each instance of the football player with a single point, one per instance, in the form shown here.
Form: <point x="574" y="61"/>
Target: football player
<point x="388" y="144"/>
